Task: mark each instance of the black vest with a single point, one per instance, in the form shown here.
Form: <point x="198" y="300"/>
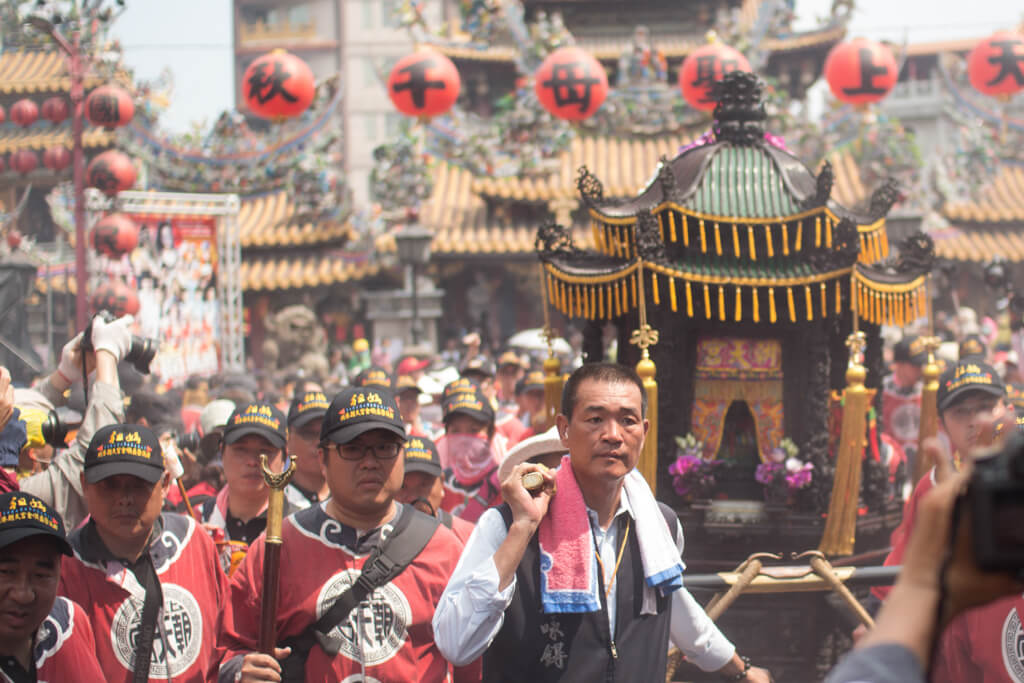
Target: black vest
<point x="532" y="647"/>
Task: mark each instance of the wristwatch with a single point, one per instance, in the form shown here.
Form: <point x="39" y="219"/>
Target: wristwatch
<point x="747" y="666"/>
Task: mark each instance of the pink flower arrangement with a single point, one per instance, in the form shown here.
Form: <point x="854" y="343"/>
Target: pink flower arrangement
<point x="692" y="475"/>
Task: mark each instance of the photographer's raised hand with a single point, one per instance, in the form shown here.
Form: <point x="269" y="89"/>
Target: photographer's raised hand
<point x="114" y="337"/>
<point x="6" y="397"/>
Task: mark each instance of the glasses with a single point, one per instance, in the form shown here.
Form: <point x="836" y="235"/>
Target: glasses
<point x="381" y="451"/>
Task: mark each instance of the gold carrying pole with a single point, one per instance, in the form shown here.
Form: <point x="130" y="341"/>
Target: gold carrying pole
<point x="272" y="552"/>
<point x="644" y="338"/>
<point x="552" y="366"/>
<point x="841" y="524"/>
<point x="929" y="424"/>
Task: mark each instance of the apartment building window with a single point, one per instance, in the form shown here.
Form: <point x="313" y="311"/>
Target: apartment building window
<point x="369" y="15"/>
<point x="370" y="127"/>
<point x="387" y="13"/>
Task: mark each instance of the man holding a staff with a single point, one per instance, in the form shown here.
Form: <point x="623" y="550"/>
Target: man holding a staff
<point x="581" y="578"/>
<point x="360" y="574"/>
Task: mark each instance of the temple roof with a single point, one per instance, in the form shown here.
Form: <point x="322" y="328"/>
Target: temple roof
<point x="624" y="164"/>
<point x="304" y="271"/>
<point x="30" y="71"/>
<point x="957" y="244"/>
<point x="273" y="220"/>
<point x="1000" y="201"/>
<point x="458" y="217"/>
<point x="44" y="135"/>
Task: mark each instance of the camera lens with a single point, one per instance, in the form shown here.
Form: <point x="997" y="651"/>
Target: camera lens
<point x="53" y="431"/>
<point x="141" y="354"/>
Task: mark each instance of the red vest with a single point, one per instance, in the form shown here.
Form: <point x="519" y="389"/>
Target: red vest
<point x="390" y="632"/>
<point x="983" y="645"/>
<point x="195" y="601"/>
<point x="64" y="649"/>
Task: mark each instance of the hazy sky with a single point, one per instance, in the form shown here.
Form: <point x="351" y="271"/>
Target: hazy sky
<point x="193" y="38"/>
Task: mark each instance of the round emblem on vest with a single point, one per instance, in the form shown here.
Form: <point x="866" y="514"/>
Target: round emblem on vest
<point x="380" y="621"/>
<point x="175" y="646"/>
<point x="1013" y="646"/>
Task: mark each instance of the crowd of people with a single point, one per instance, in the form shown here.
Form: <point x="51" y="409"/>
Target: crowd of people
<point x="411" y="548"/>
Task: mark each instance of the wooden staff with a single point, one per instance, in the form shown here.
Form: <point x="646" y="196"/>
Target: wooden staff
<point x="748" y="571"/>
<point x="184" y="497"/>
<point x="823" y="568"/>
<point x="272" y="553"/>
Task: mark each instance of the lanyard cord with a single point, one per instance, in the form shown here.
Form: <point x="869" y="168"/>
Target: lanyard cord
<point x="618" y="560"/>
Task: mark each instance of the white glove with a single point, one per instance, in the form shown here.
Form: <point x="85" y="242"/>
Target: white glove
<point x="70" y="366"/>
<point x="114" y="337"/>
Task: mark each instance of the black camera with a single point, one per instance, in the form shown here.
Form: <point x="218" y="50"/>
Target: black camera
<point x="49" y="427"/>
<point x="189" y="442"/>
<point x="995" y="498"/>
<point x="140" y="353"/>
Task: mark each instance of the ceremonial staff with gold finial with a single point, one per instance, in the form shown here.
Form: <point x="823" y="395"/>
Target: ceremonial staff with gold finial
<point x="272" y="553"/>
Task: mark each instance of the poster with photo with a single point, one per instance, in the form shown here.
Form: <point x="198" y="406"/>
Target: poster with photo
<point x="174" y="273"/>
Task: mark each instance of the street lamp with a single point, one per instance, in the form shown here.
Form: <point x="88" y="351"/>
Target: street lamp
<point x="75" y="67"/>
<point x="413" y="244"/>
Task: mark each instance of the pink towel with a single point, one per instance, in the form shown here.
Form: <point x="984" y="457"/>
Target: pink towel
<point x="567" y="582"/>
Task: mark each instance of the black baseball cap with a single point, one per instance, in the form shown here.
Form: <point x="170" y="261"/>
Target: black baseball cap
<point x="972" y="348"/>
<point x="306" y="407"/>
<point x="374" y="376"/>
<point x="967" y="376"/>
<point x="124" y="449"/>
<point x="460" y="385"/>
<point x="260" y="419"/>
<point x="406" y="383"/>
<point x="532" y="381"/>
<point x="22" y="515"/>
<point x="358" y="410"/>
<point x="910" y="350"/>
<point x="421" y="456"/>
<point x="471" y="402"/>
<point x="481" y="365"/>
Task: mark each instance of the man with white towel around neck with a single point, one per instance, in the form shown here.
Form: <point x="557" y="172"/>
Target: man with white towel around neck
<point x="610" y="594"/>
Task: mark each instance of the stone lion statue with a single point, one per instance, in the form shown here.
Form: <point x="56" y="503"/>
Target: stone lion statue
<point x="296" y="341"/>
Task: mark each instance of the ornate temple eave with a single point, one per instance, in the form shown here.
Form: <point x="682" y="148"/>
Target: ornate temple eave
<point x="303" y="272"/>
<point x="44" y="135"/>
<point x="1001" y="200"/>
<point x="36" y="71"/>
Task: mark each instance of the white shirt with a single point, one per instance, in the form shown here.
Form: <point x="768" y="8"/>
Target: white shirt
<point x="472" y="609"/>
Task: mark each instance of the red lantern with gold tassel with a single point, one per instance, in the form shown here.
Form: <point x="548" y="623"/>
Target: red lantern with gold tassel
<point x="571" y="84"/>
<point x="995" y="66"/>
<point x="278" y="85"/>
<point x="424" y="84"/>
<point x="111" y="172"/>
<point x="704" y="67"/>
<point x="860" y="71"/>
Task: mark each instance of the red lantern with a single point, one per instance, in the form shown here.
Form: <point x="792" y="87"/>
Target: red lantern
<point x="704" y="67"/>
<point x="425" y="84"/>
<point x="996" y="65"/>
<point x="111" y="172"/>
<point x="3" y="114"/>
<point x="860" y="71"/>
<point x="278" y="85"/>
<point x="116" y="297"/>
<point x="109" y="106"/>
<point x="55" y="109"/>
<point x="24" y="161"/>
<point x="57" y="158"/>
<point x="114" y="235"/>
<point x="24" y="113"/>
<point x="571" y="84"/>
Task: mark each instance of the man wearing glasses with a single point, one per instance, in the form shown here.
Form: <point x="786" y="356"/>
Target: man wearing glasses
<point x="388" y="635"/>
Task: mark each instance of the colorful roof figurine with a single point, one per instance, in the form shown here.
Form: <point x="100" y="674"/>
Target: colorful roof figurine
<point x="735" y="228"/>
